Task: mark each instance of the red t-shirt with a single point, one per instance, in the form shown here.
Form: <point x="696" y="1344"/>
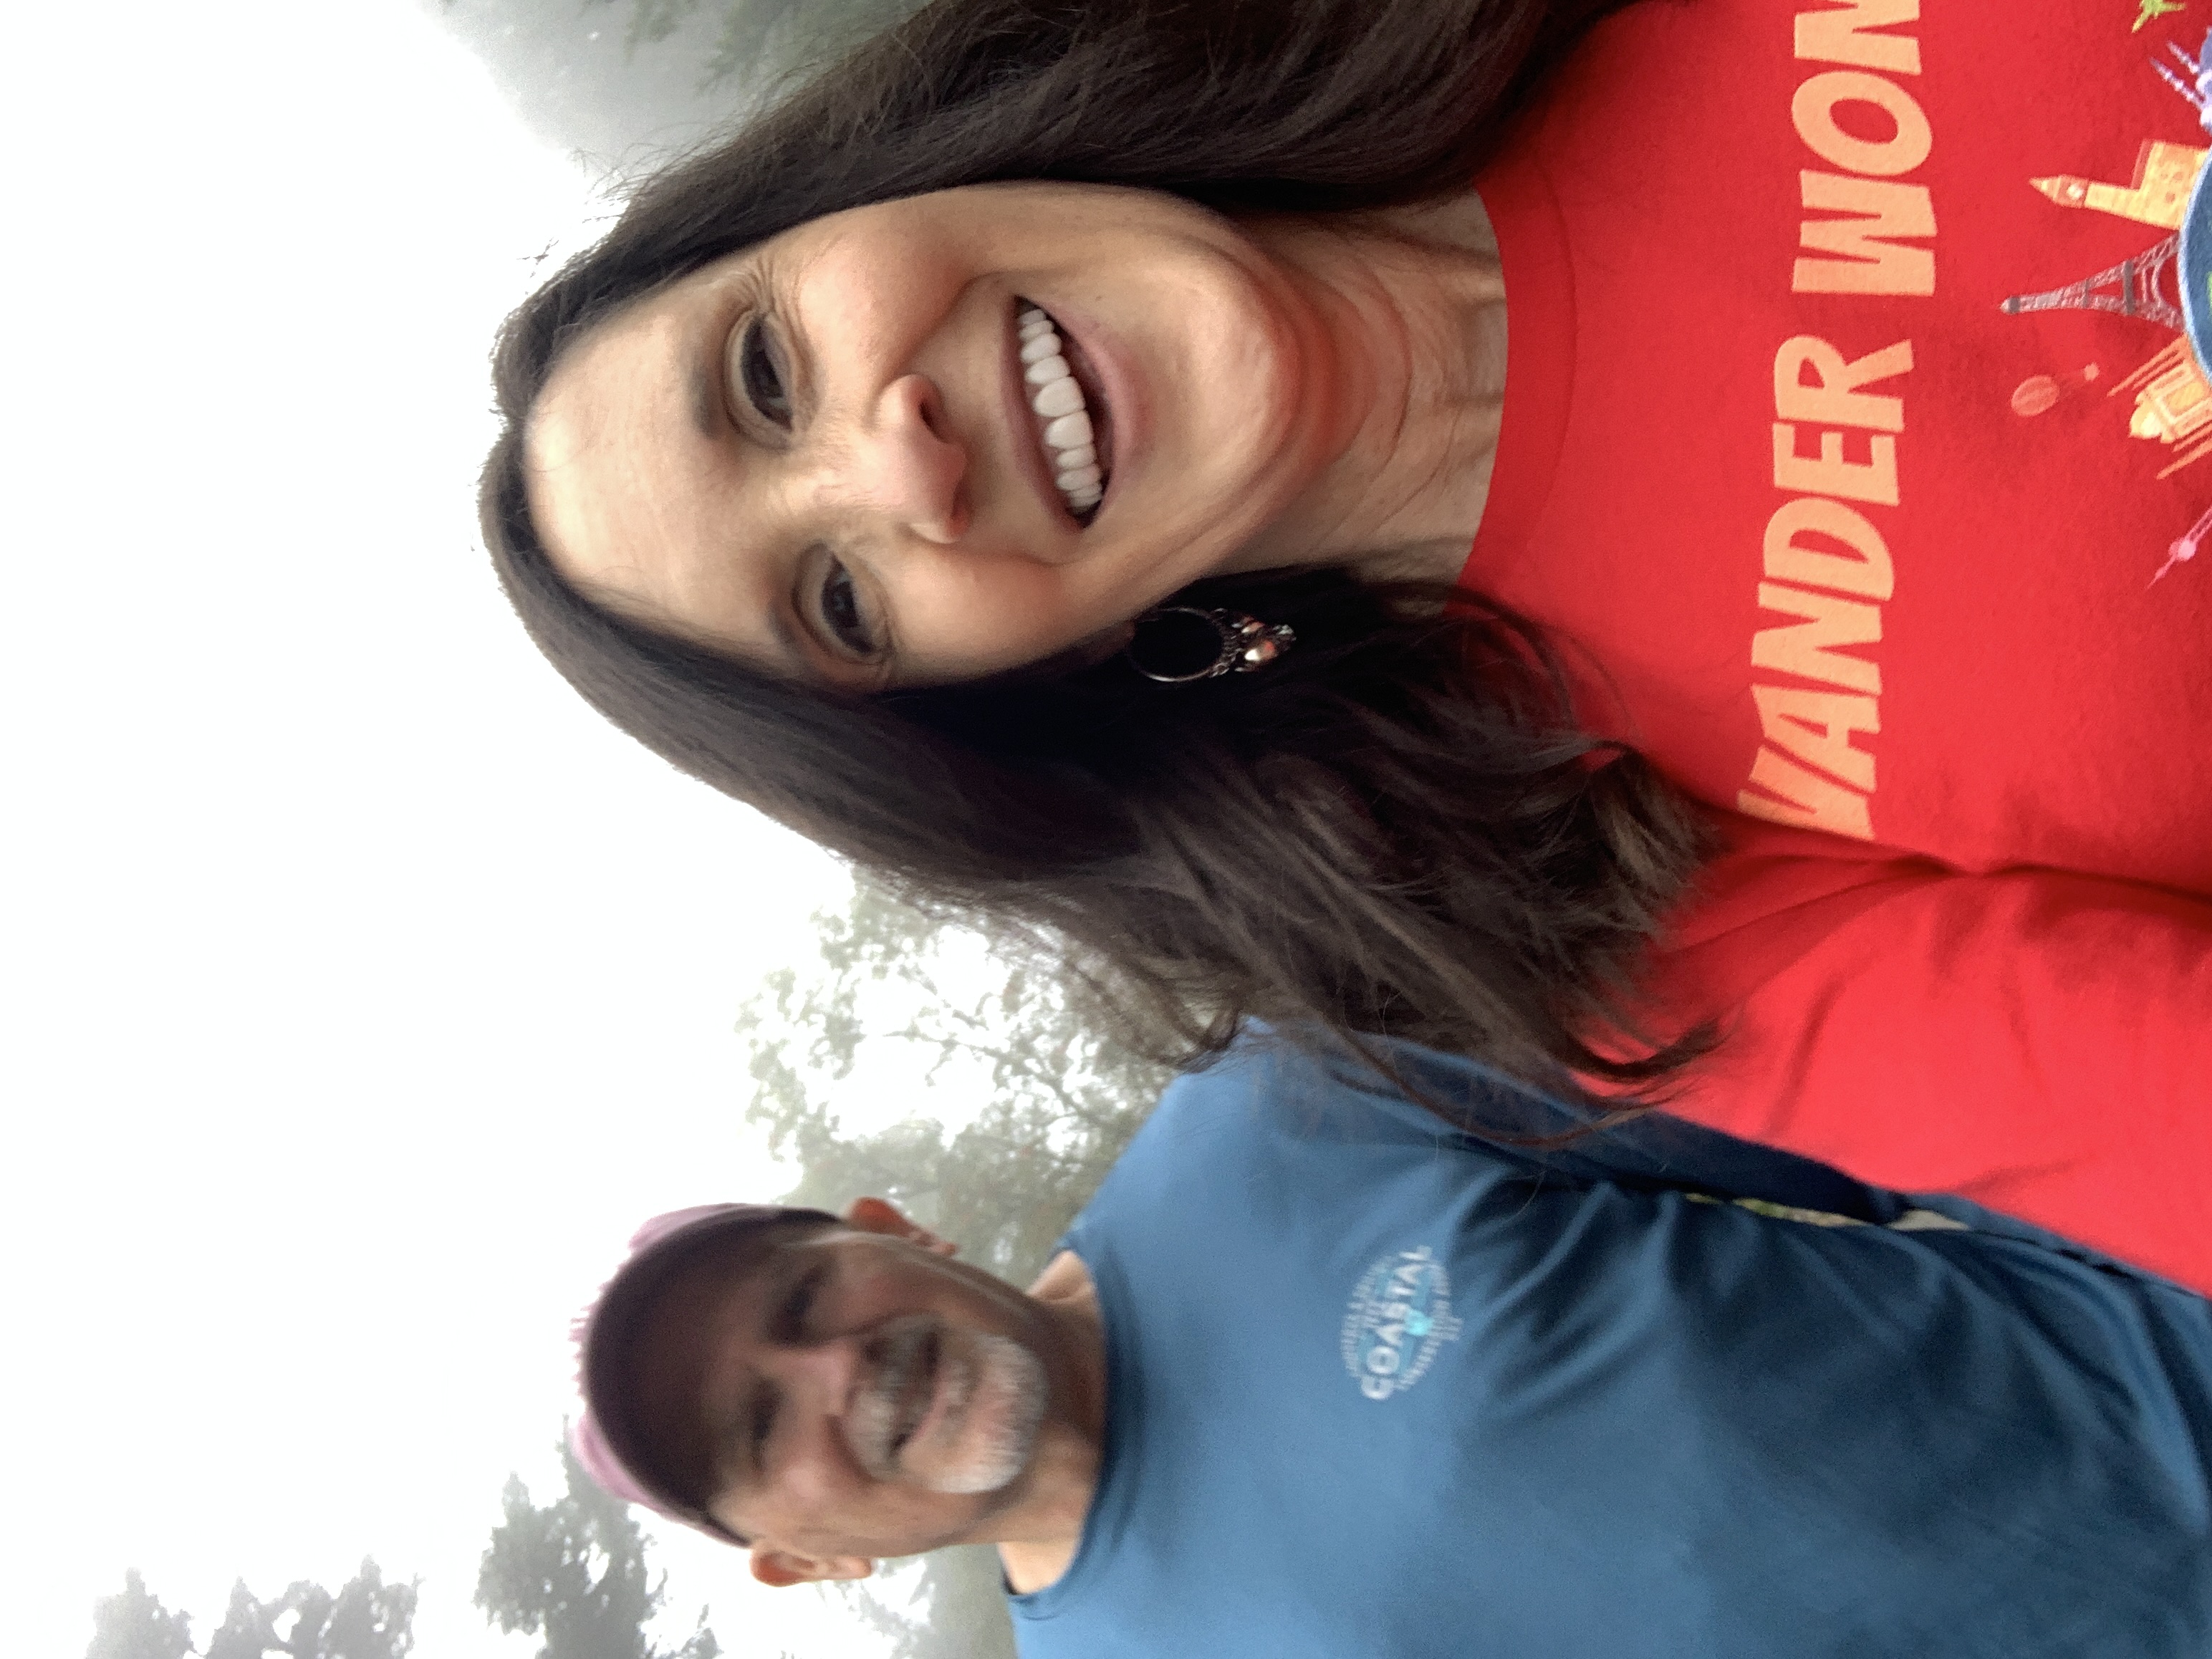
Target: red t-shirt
<point x="1854" y="455"/>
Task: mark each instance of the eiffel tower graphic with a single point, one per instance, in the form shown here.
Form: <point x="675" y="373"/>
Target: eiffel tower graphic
<point x="2133" y="287"/>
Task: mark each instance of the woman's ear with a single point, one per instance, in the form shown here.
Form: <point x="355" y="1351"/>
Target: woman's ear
<point x="875" y="1215"/>
<point x="780" y="1570"/>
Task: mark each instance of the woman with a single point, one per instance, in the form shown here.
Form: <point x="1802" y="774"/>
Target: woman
<point x="771" y="497"/>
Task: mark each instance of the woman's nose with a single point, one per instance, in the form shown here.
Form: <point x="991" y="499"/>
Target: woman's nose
<point x="901" y="464"/>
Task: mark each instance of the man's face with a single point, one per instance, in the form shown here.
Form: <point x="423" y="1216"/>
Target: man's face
<point x="851" y="1394"/>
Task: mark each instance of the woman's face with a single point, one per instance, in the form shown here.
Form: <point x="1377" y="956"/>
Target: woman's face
<point x="822" y="452"/>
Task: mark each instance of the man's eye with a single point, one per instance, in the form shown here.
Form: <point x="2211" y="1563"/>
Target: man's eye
<point x="791" y="1318"/>
<point x="760" y="377"/>
<point x="840" y="612"/>
<point x="764" y="1420"/>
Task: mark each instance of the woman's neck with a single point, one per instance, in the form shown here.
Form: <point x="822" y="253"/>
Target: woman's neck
<point x="1409" y="307"/>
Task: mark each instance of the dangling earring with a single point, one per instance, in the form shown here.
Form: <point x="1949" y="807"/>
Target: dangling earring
<point x="1177" y="644"/>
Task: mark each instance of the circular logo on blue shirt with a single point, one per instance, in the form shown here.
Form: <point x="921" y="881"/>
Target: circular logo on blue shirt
<point x="1400" y="1315"/>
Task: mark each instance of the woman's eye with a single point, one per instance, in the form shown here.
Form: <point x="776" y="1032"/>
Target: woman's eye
<point x="760" y="377"/>
<point x="841" y="615"/>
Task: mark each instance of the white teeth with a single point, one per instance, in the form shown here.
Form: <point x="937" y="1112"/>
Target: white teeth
<point x="1061" y="396"/>
<point x="1058" y="401"/>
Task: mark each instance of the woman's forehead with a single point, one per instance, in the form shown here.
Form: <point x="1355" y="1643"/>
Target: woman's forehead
<point x="601" y="414"/>
<point x="625" y="466"/>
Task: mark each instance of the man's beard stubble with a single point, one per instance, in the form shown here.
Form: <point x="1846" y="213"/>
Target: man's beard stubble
<point x="995" y="1400"/>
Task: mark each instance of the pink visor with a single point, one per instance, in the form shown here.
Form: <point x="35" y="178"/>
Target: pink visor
<point x="608" y="1439"/>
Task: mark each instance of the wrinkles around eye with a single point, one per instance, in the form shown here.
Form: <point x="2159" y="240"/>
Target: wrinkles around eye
<point x="757" y="373"/>
<point x="834" y="607"/>
<point x="843" y="614"/>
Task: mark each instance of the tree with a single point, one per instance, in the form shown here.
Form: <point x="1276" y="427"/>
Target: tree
<point x="1048" y="1102"/>
<point x="575" y="1573"/>
<point x="134" y="1625"/>
<point x="962" y="1612"/>
<point x="368" y="1618"/>
<point x="754" y="38"/>
<point x="1050" y="1098"/>
<point x="628" y="83"/>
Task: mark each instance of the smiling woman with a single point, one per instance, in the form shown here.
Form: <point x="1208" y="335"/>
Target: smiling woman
<point x="872" y="466"/>
<point x="781" y="494"/>
<point x="932" y="439"/>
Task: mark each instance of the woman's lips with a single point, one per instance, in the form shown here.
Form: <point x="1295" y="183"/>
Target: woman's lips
<point x="1105" y="371"/>
<point x="1069" y="423"/>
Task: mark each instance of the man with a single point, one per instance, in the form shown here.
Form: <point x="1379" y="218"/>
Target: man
<point x="1317" y="1374"/>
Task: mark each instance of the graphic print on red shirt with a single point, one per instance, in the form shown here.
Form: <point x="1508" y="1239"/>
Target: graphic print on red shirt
<point x="1851" y="444"/>
<point x="1855" y="456"/>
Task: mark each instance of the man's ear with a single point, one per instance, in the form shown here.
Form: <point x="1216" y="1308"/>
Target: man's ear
<point x="875" y="1215"/>
<point x="779" y="1570"/>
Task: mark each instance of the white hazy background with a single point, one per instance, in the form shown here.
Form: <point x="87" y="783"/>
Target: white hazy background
<point x="363" y="989"/>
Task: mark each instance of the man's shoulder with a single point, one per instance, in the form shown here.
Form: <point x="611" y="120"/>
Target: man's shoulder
<point x="1270" y="1105"/>
<point x="1260" y="1112"/>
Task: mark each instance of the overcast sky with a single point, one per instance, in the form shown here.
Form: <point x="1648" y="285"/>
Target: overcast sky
<point x="363" y="989"/>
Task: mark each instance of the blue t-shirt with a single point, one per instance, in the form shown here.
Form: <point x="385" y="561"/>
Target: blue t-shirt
<point x="1379" y="1388"/>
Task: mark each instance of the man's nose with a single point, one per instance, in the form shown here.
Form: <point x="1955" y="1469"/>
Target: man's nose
<point x="820" y="1373"/>
<point x="899" y="463"/>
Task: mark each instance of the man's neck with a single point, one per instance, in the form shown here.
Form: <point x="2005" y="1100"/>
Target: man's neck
<point x="1041" y="1535"/>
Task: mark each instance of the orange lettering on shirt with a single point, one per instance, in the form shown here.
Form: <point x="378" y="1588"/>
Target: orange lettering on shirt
<point x="1835" y="36"/>
<point x="1808" y="649"/>
<point x="1863" y="231"/>
<point x="1803" y="798"/>
<point x="1874" y="479"/>
<point x="1833" y="398"/>
<point x="1868" y="262"/>
<point x="1865" y="569"/>
<point x="1817" y="726"/>
<point x="1812" y="112"/>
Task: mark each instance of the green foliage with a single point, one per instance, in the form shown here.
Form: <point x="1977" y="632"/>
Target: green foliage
<point x="653" y="21"/>
<point x="575" y="1573"/>
<point x="756" y="39"/>
<point x="1059" y="1101"/>
<point x="1048" y="1103"/>
<point x="368" y="1618"/>
<point x="966" y="1609"/>
<point x="134" y="1625"/>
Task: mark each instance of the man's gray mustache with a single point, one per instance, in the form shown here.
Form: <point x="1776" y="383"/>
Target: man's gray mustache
<point x="892" y="1358"/>
<point x="1001" y="1375"/>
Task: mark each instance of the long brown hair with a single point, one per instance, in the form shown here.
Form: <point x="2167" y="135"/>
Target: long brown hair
<point x="1396" y="828"/>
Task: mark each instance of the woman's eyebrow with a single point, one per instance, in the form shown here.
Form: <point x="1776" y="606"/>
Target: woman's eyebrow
<point x="703" y="352"/>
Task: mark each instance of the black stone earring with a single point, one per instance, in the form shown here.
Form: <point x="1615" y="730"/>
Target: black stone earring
<point x="1177" y="644"/>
